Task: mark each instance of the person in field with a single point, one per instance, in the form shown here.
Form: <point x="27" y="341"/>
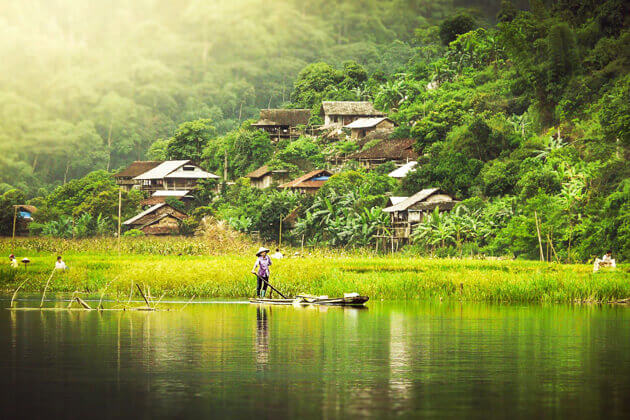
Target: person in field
<point x="60" y="265"/>
<point x="261" y="270"/>
<point x="606" y="261"/>
<point x="13" y="262"/>
<point x="277" y="255"/>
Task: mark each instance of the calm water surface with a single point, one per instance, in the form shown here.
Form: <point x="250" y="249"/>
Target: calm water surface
<point x="390" y="360"/>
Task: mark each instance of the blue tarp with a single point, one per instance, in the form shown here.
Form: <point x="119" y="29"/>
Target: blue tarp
<point x="24" y="214"/>
<point x="321" y="178"/>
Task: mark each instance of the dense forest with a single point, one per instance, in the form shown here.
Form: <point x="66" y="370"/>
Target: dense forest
<point x="522" y="111"/>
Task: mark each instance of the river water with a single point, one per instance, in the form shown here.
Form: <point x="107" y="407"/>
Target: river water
<point x="389" y="360"/>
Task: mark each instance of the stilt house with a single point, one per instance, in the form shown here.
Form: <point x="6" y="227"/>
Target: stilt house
<point x="399" y="151"/>
<point x="308" y="183"/>
<point x="283" y="123"/>
<point x="405" y="215"/>
<point x="337" y="114"/>
<point x="160" y="219"/>
<point x="264" y="177"/>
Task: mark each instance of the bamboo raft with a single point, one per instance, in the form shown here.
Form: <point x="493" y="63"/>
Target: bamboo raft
<point x="314" y="300"/>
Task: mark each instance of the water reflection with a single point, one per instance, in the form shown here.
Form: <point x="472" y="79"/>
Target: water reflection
<point x="407" y="360"/>
<point x="262" y="336"/>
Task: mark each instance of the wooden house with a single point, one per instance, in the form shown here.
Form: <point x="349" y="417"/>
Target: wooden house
<point x="172" y="175"/>
<point x="363" y="126"/>
<point x="125" y="178"/>
<point x="310" y="182"/>
<point x="160" y="219"/>
<point x="264" y="177"/>
<point x="283" y="123"/>
<point x="337" y="114"/>
<point x="405" y="215"/>
<point x="399" y="151"/>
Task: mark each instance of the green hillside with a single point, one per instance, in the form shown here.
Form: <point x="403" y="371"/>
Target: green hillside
<point x="522" y="114"/>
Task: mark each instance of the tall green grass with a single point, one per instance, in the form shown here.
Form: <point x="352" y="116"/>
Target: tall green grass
<point x="158" y="265"/>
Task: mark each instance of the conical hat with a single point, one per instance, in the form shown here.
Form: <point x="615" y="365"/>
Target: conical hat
<point x="261" y="250"/>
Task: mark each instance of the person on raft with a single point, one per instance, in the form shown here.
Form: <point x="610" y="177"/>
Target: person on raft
<point x="263" y="262"/>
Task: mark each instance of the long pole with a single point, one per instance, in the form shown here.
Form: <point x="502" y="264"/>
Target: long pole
<point x="271" y="287"/>
<point x="119" y="214"/>
<point x="280" y="233"/>
<point x="14" y="222"/>
<point x="542" y="255"/>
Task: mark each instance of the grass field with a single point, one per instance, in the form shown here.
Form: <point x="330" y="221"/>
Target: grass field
<point x="187" y="267"/>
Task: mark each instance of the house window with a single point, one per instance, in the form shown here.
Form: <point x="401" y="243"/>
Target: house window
<point x="189" y="168"/>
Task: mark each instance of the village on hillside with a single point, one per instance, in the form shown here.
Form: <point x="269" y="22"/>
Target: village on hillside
<point x="359" y="122"/>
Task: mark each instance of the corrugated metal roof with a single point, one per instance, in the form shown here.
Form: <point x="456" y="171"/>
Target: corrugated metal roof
<point x="144" y="213"/>
<point x="396" y="200"/>
<point x="163" y="169"/>
<point x="417" y="197"/>
<point x="201" y="174"/>
<point x="366" y="122"/>
<point x="170" y="193"/>
<point x="403" y="170"/>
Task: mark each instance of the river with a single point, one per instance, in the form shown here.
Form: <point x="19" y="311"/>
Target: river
<point x="389" y="360"/>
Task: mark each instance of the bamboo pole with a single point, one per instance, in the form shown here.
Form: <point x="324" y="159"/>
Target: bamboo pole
<point x="119" y="214"/>
<point x="280" y="234"/>
<point x="46" y="288"/>
<point x="15" y="293"/>
<point x="542" y="255"/>
<point x="14" y="222"/>
<point x="143" y="296"/>
<point x="553" y="249"/>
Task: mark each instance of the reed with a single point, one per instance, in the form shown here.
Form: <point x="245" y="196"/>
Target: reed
<point x="101" y="269"/>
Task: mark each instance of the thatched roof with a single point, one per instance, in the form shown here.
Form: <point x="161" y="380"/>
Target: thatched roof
<point x="393" y="149"/>
<point x="283" y="117"/>
<point x="307" y="181"/>
<point x="259" y="173"/>
<point x="264" y="170"/>
<point x="365" y="109"/>
<point x="152" y="201"/>
<point x="25" y="207"/>
<point x="418" y="198"/>
<point x="137" y="168"/>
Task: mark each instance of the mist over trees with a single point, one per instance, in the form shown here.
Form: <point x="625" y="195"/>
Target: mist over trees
<point x="91" y="85"/>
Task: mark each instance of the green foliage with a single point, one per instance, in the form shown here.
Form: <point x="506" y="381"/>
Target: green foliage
<point x="455" y="25"/>
<point x="245" y="149"/>
<point x="614" y="115"/>
<point x="303" y="153"/>
<point x="176" y="204"/>
<point x="190" y="139"/>
<point x="340" y="220"/>
<point x="133" y="233"/>
<point x="562" y="52"/>
<point x="453" y="172"/>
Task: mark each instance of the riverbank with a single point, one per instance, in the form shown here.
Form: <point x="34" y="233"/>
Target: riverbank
<point x="204" y="273"/>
